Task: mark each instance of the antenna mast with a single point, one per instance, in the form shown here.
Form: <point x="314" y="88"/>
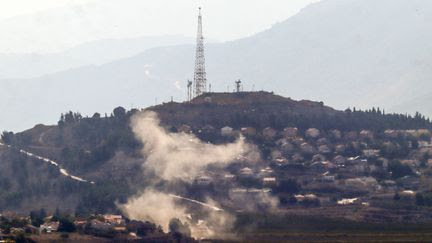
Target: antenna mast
<point x="189" y="89"/>
<point x="238" y="85"/>
<point x="200" y="80"/>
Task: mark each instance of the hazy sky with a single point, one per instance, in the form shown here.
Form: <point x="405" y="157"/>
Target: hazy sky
<point x="52" y="25"/>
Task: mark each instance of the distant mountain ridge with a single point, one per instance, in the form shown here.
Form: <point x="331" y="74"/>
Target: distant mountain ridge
<point x="360" y="53"/>
<point x="90" y="53"/>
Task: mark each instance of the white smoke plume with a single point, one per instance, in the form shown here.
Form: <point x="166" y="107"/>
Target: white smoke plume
<point x="180" y="156"/>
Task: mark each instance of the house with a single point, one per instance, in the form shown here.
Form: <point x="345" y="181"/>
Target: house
<point x="297" y="158"/>
<point x="322" y="141"/>
<point x="301" y="198"/>
<point x="269" y="133"/>
<point x="336" y="134"/>
<point x="312" y="133"/>
<point x="328" y="178"/>
<point x="339" y="160"/>
<point x="290" y="132"/>
<point x="307" y="148"/>
<point x="351" y="135"/>
<point x="287" y="148"/>
<point x="281" y="161"/>
<point x="49" y="227"/>
<point x="246" y="171"/>
<point x="229" y="177"/>
<point x="266" y="171"/>
<point x="208" y="129"/>
<point x="423" y="133"/>
<point x="203" y="180"/>
<point x="391" y="133"/>
<point x="424" y="144"/>
<point x="248" y="131"/>
<point x="269" y="181"/>
<point x="113" y="219"/>
<point x="371" y="152"/>
<point x="340" y="149"/>
<point x="324" y="149"/>
<point x="348" y="201"/>
<point x="366" y="134"/>
<point x="227" y="131"/>
<point x="298" y="141"/>
<point x="276" y="154"/>
<point x="318" y="157"/>
<point x="410" y="162"/>
<point x="185" y="129"/>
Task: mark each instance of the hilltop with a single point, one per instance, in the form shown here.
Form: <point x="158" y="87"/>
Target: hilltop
<point x="265" y="109"/>
<point x="359" y="53"/>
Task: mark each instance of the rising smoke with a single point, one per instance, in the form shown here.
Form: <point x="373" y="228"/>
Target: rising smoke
<point x="174" y="157"/>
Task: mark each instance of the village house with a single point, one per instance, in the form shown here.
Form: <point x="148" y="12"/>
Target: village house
<point x="269" y="133"/>
<point x="113" y="219"/>
<point x="307" y="148"/>
<point x="227" y="131"/>
<point x="336" y="134"/>
<point x="410" y="162"/>
<point x="318" y="157"/>
<point x="339" y="160"/>
<point x="49" y="227"/>
<point x="324" y="149"/>
<point x="203" y="180"/>
<point x="248" y="131"/>
<point x="208" y="129"/>
<point x="297" y="158"/>
<point x="281" y="161"/>
<point x="287" y="148"/>
<point x="391" y="133"/>
<point x="246" y="172"/>
<point x="366" y="134"/>
<point x="185" y="129"/>
<point x="290" y="132"/>
<point x="339" y="149"/>
<point x="275" y="154"/>
<point x="269" y="181"/>
<point x="371" y="152"/>
<point x="351" y="135"/>
<point x="322" y="141"/>
<point x="312" y="133"/>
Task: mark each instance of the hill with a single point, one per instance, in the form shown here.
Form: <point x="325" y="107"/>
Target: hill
<point x="358" y="53"/>
<point x="104" y="149"/>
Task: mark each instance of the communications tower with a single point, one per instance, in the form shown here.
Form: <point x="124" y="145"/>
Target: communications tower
<point x="200" y="80"/>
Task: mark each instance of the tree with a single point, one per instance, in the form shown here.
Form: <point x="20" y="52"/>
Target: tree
<point x="420" y="201"/>
<point x="288" y="186"/>
<point x="96" y="116"/>
<point x="66" y="225"/>
<point x="7" y="137"/>
<point x="119" y="112"/>
<point x="177" y="227"/>
<point x="398" y="169"/>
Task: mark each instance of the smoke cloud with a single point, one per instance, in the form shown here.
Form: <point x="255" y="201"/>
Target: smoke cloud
<point x="179" y="155"/>
<point x="173" y="157"/>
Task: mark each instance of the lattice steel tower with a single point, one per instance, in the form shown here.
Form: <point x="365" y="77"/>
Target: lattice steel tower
<point x="200" y="80"/>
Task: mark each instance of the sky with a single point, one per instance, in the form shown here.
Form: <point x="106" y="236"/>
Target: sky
<point x="42" y="26"/>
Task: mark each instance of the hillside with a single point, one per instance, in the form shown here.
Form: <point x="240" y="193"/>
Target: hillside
<point x="360" y="53"/>
<point x="104" y="149"/>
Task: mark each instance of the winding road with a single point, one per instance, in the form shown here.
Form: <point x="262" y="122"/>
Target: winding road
<point x="63" y="171"/>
